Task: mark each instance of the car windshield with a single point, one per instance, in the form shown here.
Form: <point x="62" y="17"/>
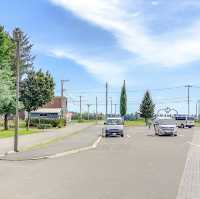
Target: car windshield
<point x="167" y="122"/>
<point x="114" y="121"/>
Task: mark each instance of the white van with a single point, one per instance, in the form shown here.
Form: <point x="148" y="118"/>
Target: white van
<point x="183" y="121"/>
<point x="114" y="127"/>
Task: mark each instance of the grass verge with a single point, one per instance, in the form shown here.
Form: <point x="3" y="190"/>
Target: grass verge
<point x="11" y="132"/>
<point x="139" y="122"/>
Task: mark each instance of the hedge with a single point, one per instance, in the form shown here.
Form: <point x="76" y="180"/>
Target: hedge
<point x="35" y="122"/>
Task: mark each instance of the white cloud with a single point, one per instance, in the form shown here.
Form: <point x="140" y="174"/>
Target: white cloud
<point x="132" y="33"/>
<point x="103" y="70"/>
<point x="154" y="3"/>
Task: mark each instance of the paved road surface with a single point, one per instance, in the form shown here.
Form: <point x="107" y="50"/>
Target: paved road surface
<point x="135" y="167"/>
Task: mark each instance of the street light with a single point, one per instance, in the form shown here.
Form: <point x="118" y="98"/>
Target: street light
<point x="17" y="36"/>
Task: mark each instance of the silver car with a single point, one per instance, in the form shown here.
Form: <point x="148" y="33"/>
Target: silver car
<point x="165" y="126"/>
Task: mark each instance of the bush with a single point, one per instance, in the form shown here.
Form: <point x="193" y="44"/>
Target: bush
<point x="44" y="126"/>
<point x="35" y="122"/>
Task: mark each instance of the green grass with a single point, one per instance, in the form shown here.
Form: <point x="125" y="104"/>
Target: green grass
<point x="11" y="123"/>
<point x="10" y="132"/>
<point x="139" y="122"/>
<point x="197" y="123"/>
<point x="84" y="121"/>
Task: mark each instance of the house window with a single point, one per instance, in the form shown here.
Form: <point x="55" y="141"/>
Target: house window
<point x="43" y="114"/>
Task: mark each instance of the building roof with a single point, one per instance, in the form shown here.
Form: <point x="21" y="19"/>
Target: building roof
<point x="57" y="102"/>
<point x="47" y="110"/>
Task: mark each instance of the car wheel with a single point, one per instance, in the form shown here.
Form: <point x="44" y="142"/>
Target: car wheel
<point x="182" y="126"/>
<point x="122" y="135"/>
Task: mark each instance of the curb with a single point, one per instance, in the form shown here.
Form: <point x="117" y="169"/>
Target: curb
<point x="57" y="155"/>
<point x="7" y="153"/>
<point x="53" y="140"/>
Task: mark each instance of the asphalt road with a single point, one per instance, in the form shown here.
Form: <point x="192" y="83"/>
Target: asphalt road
<point x="134" y="167"/>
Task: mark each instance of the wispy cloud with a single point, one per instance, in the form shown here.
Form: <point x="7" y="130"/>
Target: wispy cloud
<point x="155" y="3"/>
<point x="103" y="70"/>
<point x="133" y="35"/>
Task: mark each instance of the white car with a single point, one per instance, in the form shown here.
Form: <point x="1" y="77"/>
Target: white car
<point x="165" y="126"/>
<point x="114" y="127"/>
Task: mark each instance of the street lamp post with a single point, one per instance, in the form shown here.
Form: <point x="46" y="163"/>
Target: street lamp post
<point x="17" y="36"/>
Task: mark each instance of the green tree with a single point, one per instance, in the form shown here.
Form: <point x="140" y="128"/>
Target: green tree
<point x="26" y="57"/>
<point x="147" y="107"/>
<point x="7" y="92"/>
<point x="7" y="95"/>
<point x="37" y="89"/>
<point x="123" y="100"/>
<point x="8" y="58"/>
<point x="7" y="48"/>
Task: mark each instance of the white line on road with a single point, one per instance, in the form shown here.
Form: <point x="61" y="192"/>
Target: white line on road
<point x="93" y="146"/>
<point x="197" y="145"/>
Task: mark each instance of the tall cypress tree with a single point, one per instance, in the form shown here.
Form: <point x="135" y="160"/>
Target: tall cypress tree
<point x="147" y="107"/>
<point x="123" y="100"/>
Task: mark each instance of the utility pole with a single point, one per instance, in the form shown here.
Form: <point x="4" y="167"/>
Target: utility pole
<point x="88" y="105"/>
<point x="17" y="35"/>
<point x="80" y="108"/>
<point x="111" y="105"/>
<point x="198" y="114"/>
<point x="106" y="100"/>
<point x="96" y="110"/>
<point x="62" y="97"/>
<point x="197" y="110"/>
<point x="115" y="109"/>
<point x="188" y="97"/>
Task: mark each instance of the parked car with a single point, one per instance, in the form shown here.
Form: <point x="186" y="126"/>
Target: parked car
<point x="113" y="127"/>
<point x="165" y="126"/>
<point x="183" y="121"/>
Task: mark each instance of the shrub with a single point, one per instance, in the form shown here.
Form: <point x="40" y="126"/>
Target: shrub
<point x="44" y="126"/>
<point x="35" y="122"/>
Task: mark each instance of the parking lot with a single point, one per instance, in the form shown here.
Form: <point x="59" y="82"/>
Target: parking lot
<point x="136" y="166"/>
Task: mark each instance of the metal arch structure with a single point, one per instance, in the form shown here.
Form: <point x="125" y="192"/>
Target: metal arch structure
<point x="167" y="110"/>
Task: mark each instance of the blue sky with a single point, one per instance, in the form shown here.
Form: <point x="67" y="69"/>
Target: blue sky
<point x="150" y="44"/>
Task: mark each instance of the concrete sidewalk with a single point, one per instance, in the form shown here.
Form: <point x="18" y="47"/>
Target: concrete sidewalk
<point x="45" y="137"/>
<point x="190" y="183"/>
<point x="82" y="139"/>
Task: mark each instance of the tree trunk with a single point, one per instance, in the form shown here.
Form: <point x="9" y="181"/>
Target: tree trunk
<point x="146" y="121"/>
<point x="6" y="122"/>
<point x="28" y="121"/>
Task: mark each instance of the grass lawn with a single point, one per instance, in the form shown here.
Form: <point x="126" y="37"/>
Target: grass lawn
<point x="85" y="121"/>
<point x="197" y="123"/>
<point x="139" y="122"/>
<point x="10" y="132"/>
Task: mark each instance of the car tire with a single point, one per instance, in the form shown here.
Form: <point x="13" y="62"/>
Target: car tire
<point x="182" y="126"/>
<point x="122" y="135"/>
